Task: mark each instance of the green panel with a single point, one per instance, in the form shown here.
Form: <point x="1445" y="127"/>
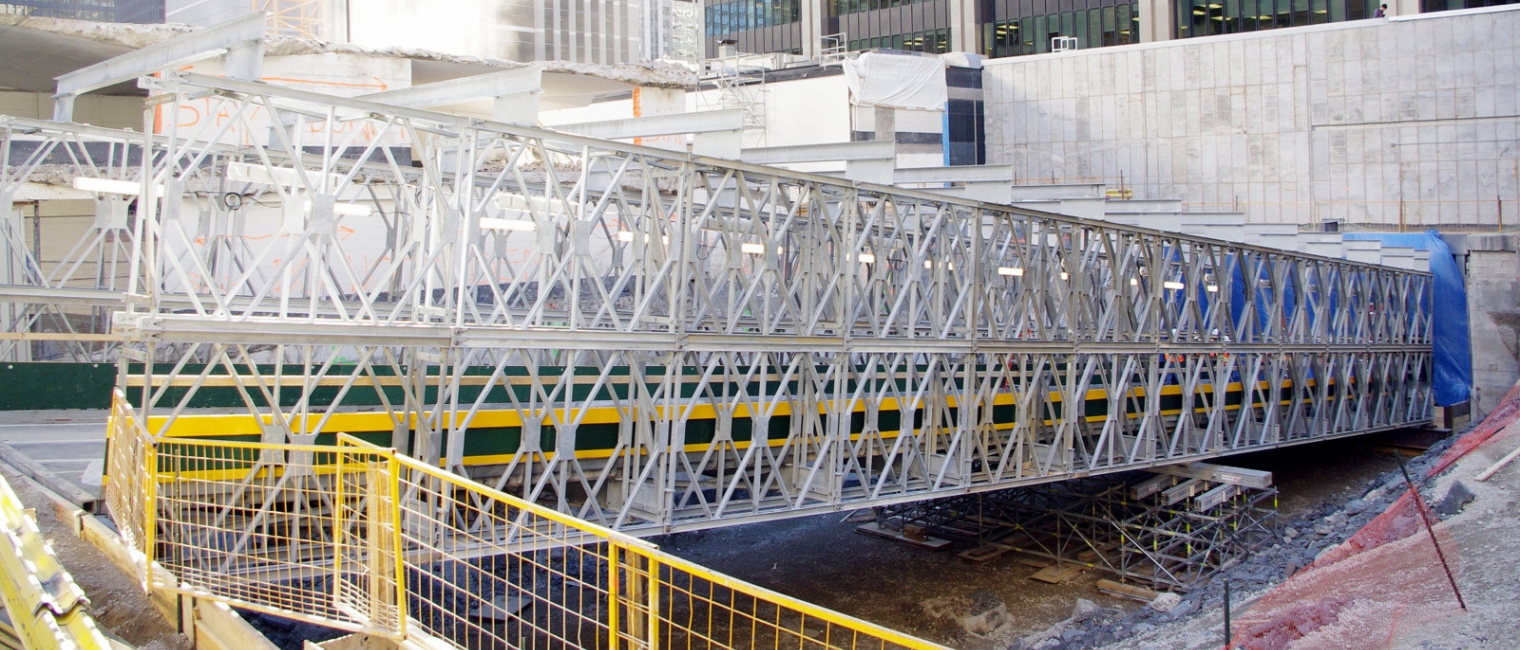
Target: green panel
<point x="51" y="385"/>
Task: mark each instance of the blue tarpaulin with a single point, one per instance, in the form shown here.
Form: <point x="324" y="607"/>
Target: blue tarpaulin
<point x="1452" y="371"/>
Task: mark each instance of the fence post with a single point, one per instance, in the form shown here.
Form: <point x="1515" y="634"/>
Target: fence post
<point x="613" y="603"/>
<point x="643" y="630"/>
<point x="340" y="477"/>
<point x="379" y="559"/>
<point x="653" y="588"/>
<point x="148" y="474"/>
<point x="393" y="486"/>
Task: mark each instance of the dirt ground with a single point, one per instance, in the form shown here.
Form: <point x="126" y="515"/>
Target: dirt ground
<point x="1396" y="595"/>
<point x="822" y="560"/>
<point x="117" y="602"/>
<point x="825" y="562"/>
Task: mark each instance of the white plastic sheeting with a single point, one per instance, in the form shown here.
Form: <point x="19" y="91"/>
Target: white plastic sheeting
<point x="896" y="80"/>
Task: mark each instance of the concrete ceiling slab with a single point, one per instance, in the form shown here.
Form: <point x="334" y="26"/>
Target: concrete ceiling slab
<point x="30" y="59"/>
<point x="561" y="89"/>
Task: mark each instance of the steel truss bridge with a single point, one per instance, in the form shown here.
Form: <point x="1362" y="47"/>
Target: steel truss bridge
<point x="654" y="341"/>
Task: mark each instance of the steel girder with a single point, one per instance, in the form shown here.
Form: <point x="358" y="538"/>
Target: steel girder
<point x="458" y="275"/>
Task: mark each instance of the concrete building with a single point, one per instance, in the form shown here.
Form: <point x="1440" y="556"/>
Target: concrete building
<point x="579" y="31"/>
<point x="1000" y="28"/>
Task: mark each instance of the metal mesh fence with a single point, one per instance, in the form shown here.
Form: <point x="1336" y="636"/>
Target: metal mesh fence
<point x="262" y="526"/>
<point x="128" y="486"/>
<point x="359" y="537"/>
<point x="700" y="609"/>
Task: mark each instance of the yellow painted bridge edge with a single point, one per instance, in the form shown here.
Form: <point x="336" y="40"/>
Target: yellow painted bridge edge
<point x="194" y="426"/>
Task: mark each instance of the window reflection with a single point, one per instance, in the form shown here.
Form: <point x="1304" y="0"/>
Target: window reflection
<point x="1209" y="17"/>
<point x="1100" y="26"/>
<point x="745" y="15"/>
<point x="843" y="7"/>
<point x="934" y="41"/>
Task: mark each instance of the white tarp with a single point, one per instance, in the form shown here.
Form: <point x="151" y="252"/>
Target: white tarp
<point x="896" y="80"/>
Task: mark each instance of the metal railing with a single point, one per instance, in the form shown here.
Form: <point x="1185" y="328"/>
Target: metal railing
<point x="362" y="538"/>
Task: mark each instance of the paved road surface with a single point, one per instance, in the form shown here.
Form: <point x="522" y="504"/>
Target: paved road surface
<point x="72" y="446"/>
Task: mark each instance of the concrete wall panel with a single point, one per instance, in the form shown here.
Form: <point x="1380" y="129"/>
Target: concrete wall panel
<point x="1362" y="121"/>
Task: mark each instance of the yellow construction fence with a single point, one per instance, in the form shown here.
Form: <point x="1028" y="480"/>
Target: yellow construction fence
<point x="363" y="538"/>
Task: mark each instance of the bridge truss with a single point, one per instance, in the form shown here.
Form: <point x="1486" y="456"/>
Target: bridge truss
<point x="655" y="341"/>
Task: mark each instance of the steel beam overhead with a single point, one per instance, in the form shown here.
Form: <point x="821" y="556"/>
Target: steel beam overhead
<point x="1253" y="478"/>
<point x="241" y="39"/>
<point x="731" y="119"/>
<point x="527" y="79"/>
<point x="803" y="153"/>
<point x="957" y="174"/>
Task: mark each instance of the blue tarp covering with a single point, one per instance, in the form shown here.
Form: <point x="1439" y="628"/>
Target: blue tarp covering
<point x="1452" y="381"/>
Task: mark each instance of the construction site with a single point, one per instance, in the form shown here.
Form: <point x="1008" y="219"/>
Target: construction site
<point x="813" y="324"/>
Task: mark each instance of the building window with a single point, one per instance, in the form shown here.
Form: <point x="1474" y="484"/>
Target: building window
<point x="1447" y="5"/>
<point x="746" y="15"/>
<point x="1097" y="26"/>
<point x="846" y="7"/>
<point x="96" y="10"/>
<point x="934" y="41"/>
<point x="1208" y="17"/>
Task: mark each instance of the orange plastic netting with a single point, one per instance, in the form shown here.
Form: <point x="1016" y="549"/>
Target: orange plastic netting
<point x="1385" y="579"/>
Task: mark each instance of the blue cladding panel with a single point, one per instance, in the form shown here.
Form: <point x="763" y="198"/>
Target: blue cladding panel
<point x="1449" y="329"/>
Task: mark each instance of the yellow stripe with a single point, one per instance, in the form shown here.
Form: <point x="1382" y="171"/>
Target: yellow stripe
<point x="202" y="426"/>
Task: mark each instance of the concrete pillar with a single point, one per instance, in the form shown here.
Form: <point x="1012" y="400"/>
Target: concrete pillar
<point x="964" y="32"/>
<point x="1493" y="312"/>
<point x="336" y="19"/>
<point x="649" y="102"/>
<point x="13" y="270"/>
<point x="814" y="14"/>
<point x="1157" y="20"/>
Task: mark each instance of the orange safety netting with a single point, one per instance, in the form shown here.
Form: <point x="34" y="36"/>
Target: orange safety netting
<point x="1496" y="421"/>
<point x="1386" y="578"/>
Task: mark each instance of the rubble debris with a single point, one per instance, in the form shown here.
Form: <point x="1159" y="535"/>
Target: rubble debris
<point x="1165" y="602"/>
<point x="981" y="614"/>
<point x="1457" y="497"/>
<point x="1074" y="630"/>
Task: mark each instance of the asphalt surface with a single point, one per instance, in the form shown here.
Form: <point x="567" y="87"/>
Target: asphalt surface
<point x="71" y="445"/>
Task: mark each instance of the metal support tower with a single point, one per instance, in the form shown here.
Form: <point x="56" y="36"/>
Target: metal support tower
<point x="1167" y="532"/>
<point x="656" y="341"/>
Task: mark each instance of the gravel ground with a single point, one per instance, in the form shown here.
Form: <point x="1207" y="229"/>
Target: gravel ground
<point x="1392" y="596"/>
<point x="823" y="561"/>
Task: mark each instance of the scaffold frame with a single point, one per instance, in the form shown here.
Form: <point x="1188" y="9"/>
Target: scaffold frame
<point x="603" y="328"/>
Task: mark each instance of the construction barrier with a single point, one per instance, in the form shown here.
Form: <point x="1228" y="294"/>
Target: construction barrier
<point x="362" y="538"/>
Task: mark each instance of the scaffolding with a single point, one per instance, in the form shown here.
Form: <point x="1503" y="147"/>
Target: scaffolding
<point x="659" y="342"/>
<point x="1163" y="531"/>
<point x="314" y="19"/>
<point x="740" y="83"/>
